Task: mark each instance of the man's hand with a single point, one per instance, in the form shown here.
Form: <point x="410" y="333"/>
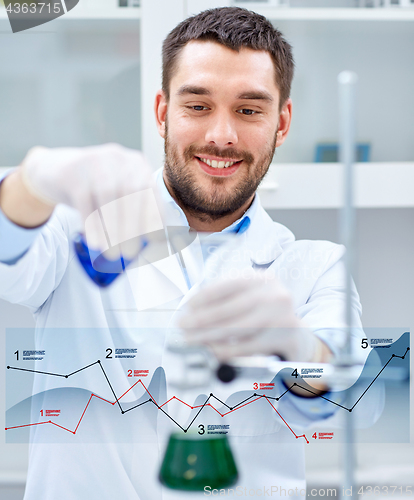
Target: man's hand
<point x="245" y="316"/>
<point x="85" y="179"/>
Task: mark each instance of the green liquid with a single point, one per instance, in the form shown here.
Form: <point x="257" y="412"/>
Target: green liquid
<point x="192" y="462"/>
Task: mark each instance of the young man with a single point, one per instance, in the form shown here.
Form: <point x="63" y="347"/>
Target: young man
<point x="223" y="109"/>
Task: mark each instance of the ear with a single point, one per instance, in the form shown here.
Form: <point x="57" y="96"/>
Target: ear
<point x="160" y="108"/>
<point x="285" y="118"/>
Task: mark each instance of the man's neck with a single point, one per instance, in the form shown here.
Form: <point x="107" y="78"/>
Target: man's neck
<point x="205" y="223"/>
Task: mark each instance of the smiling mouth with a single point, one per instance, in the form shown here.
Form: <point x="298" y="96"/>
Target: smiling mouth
<point x="219" y="163"/>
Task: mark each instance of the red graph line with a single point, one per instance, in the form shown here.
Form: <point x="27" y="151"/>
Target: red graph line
<point x="241" y="406"/>
<point x="215" y="409"/>
<point x="293" y="432"/>
<point x="146" y="390"/>
<point x="80" y="420"/>
<point x="211" y="406"/>
<point x="103" y="399"/>
<point x="168" y="401"/>
<point x="26" y="425"/>
<point x="126" y="392"/>
<point x="64" y="428"/>
<point x="183" y="402"/>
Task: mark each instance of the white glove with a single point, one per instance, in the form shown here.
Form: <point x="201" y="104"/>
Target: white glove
<point x="114" y="179"/>
<point x="248" y="315"/>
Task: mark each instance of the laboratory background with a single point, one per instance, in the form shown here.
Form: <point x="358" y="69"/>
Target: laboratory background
<point x="90" y="77"/>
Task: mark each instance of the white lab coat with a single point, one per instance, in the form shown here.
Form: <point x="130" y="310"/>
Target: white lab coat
<point x="118" y="456"/>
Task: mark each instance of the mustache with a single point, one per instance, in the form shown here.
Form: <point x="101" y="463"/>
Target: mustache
<point x="211" y="150"/>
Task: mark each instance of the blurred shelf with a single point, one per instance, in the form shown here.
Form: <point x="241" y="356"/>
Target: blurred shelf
<point x="333" y="14"/>
<point x="83" y="13"/>
<point x="116" y="13"/>
<point x="12" y="478"/>
<point x="320" y="185"/>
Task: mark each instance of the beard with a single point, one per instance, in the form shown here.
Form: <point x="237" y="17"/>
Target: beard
<point x="217" y="201"/>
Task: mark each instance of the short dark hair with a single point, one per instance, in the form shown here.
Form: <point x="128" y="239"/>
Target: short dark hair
<point x="234" y="28"/>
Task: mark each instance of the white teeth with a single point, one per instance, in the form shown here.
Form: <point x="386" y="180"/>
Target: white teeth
<point x="218" y="164"/>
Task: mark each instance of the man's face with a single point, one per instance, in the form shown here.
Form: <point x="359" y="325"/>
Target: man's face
<point x="220" y="127"/>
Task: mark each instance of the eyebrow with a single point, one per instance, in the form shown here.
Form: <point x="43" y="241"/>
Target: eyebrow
<point x="256" y="95"/>
<point x="248" y="95"/>
<point x="193" y="89"/>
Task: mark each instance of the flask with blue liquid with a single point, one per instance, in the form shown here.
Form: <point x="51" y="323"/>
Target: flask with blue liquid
<point x="102" y="270"/>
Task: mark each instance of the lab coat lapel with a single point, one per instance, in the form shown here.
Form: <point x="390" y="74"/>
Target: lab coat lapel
<point x="265" y="238"/>
<point x="158" y="283"/>
<point x="259" y="246"/>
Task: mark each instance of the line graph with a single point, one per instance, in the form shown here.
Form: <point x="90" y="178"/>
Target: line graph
<point x="208" y="402"/>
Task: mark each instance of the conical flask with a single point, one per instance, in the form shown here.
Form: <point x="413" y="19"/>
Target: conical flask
<point x="192" y="462"/>
<point x="193" y="458"/>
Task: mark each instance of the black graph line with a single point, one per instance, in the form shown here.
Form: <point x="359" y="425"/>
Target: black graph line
<point x="393" y="356"/>
<point x="136" y="406"/>
<point x="401" y="357"/>
<point x="287" y="390"/>
<point x="241" y="402"/>
<point x="259" y="396"/>
<point x="169" y="416"/>
<point x="109" y="383"/>
<point x="318" y="395"/>
<point x="199" y="411"/>
<point x="81" y="369"/>
<point x="36" y="371"/>
<point x="220" y="401"/>
<point x="359" y="399"/>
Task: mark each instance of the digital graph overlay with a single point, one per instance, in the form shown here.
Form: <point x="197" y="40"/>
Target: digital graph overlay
<point x="208" y="402"/>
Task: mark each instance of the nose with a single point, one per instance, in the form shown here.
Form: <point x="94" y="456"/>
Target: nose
<point x="222" y="130"/>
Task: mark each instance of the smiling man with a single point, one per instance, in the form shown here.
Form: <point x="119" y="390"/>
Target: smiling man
<point x="223" y="109"/>
<point x="219" y="139"/>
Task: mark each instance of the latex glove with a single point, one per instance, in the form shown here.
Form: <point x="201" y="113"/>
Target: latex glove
<point x="248" y="315"/>
<point x="110" y="177"/>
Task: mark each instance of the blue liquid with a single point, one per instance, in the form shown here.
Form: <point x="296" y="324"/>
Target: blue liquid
<point x="101" y="271"/>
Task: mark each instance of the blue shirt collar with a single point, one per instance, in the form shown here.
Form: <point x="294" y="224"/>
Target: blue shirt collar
<point x="239" y="226"/>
